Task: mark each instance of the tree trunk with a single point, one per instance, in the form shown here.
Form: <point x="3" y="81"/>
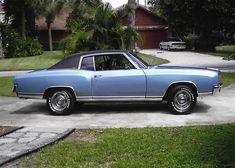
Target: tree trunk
<point x="1" y="47"/>
<point x="131" y="20"/>
<point x="23" y="31"/>
<point x="131" y="13"/>
<point x="49" y="35"/>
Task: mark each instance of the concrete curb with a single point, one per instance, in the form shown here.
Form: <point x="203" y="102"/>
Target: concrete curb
<point x="38" y="146"/>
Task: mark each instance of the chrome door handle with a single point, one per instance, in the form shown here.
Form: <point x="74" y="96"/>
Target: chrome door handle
<point x="97" y="76"/>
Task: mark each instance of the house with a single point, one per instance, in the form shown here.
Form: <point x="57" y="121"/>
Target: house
<point x="152" y="28"/>
<point x="58" y="28"/>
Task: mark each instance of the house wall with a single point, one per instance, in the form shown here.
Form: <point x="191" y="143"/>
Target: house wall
<point x="151" y="36"/>
<point x="143" y="18"/>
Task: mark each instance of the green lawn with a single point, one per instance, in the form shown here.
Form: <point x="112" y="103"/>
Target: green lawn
<point x="194" y="147"/>
<point x="31" y="63"/>
<point x="6" y="86"/>
<point x="152" y="60"/>
<point x="227" y="78"/>
<point x="226" y="51"/>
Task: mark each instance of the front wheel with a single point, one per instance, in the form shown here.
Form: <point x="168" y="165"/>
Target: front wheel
<point x="182" y="99"/>
<point x="61" y="102"/>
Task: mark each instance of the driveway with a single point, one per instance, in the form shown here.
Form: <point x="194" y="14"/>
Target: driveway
<point x="34" y="113"/>
<point x="187" y="58"/>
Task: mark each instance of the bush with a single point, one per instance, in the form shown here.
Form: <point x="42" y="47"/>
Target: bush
<point x="15" y="46"/>
<point x="191" y="41"/>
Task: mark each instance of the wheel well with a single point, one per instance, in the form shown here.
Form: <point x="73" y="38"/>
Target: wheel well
<point x="51" y="90"/>
<point x="177" y="84"/>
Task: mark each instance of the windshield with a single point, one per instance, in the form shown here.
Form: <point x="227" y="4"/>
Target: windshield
<point x="141" y="63"/>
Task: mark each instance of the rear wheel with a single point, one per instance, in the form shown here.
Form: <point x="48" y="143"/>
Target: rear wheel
<point x="182" y="99"/>
<point x="61" y="101"/>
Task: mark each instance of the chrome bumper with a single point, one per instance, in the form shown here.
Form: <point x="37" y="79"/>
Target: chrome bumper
<point x="217" y="89"/>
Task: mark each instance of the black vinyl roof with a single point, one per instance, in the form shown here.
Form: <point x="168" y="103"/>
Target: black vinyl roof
<point x="72" y="61"/>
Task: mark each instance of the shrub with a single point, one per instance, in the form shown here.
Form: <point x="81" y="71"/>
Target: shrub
<point x="32" y="47"/>
<point x="15" y="46"/>
<point x="191" y="41"/>
<point x="230" y="57"/>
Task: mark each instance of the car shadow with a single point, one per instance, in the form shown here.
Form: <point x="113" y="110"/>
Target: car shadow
<point x="121" y="108"/>
<point x="109" y="108"/>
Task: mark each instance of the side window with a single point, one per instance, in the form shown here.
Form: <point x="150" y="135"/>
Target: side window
<point x="112" y="62"/>
<point x="87" y="63"/>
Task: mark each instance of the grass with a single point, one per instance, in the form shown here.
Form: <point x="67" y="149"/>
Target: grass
<point x="152" y="60"/>
<point x="6" y="86"/>
<point x="226" y="51"/>
<point x="179" y="147"/>
<point x="43" y="61"/>
<point x="227" y="78"/>
<point x="6" y="83"/>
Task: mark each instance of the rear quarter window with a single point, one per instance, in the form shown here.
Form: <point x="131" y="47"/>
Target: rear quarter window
<point x="70" y="62"/>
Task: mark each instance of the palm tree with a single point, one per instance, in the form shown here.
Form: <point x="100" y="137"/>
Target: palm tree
<point x="131" y="13"/>
<point x="1" y="48"/>
<point x="131" y="19"/>
<point x="49" y="9"/>
<point x="98" y="28"/>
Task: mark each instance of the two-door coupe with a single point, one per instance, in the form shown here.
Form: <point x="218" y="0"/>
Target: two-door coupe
<point x="115" y="76"/>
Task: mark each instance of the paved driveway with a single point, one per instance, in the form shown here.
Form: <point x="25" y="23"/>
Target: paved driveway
<point x="187" y="58"/>
<point x="210" y="110"/>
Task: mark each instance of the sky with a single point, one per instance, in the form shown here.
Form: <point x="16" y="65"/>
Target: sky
<point x="117" y="3"/>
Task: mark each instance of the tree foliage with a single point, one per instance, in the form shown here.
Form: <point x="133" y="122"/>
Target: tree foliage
<point x="21" y="15"/>
<point x="212" y="20"/>
<point x="97" y="28"/>
<point x="15" y="46"/>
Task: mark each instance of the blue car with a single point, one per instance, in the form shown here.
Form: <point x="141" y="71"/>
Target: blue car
<point x="116" y="76"/>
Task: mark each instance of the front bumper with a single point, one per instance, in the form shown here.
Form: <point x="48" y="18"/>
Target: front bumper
<point x="217" y="89"/>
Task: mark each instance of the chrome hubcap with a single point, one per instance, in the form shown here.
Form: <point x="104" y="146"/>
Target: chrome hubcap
<point x="182" y="100"/>
<point x="59" y="101"/>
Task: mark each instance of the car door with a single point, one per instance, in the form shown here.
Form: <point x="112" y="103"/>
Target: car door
<point x="117" y="78"/>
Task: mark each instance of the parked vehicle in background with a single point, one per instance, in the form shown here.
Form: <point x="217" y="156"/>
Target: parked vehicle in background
<point x="116" y="76"/>
<point x="172" y="43"/>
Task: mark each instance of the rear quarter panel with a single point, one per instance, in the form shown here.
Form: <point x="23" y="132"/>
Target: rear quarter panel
<point x="37" y="82"/>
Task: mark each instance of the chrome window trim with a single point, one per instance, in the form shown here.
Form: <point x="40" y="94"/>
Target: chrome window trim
<point x="105" y="53"/>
